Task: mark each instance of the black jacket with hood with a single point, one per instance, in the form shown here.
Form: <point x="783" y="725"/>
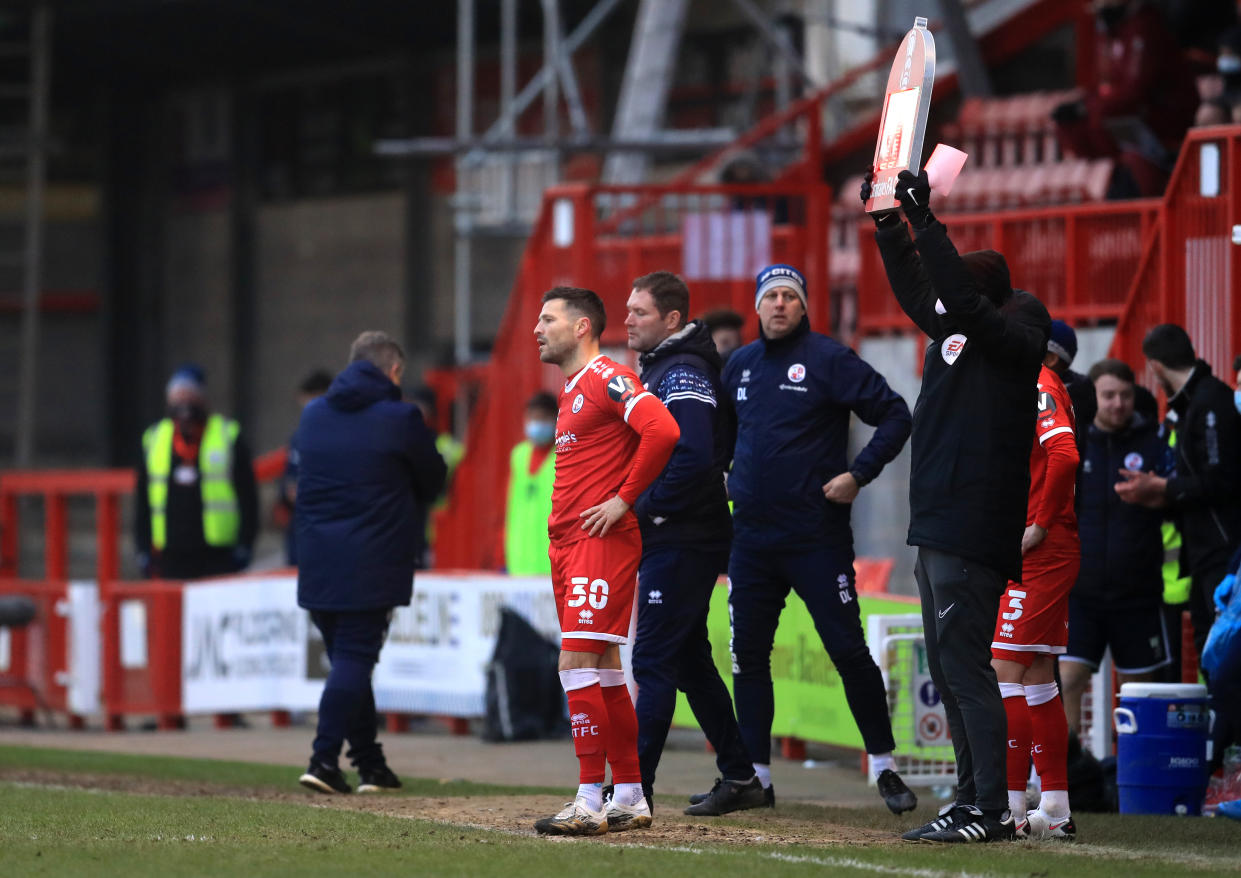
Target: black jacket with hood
<point x="973" y="424"/>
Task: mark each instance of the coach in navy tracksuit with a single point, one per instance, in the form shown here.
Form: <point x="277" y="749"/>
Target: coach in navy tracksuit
<point x="686" y="529"/>
<point x="368" y="471"/>
<point x="792" y="485"/>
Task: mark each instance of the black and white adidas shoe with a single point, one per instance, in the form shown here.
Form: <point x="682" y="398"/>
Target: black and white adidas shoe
<point x="975" y="828"/>
<point x="949" y="815"/>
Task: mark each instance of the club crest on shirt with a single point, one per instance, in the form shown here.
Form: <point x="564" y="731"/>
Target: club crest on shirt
<point x="622" y="388"/>
<point x="577" y="403"/>
<point x="952" y="347"/>
<point x="797" y="373"/>
<point x="1133" y="461"/>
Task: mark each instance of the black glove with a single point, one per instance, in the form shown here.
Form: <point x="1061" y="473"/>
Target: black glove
<point x="1068" y="112"/>
<point x="914" y="195"/>
<point x="885" y="219"/>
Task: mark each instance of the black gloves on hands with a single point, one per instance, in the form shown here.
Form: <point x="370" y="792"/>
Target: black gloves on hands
<point x="914" y="195"/>
<point x="885" y="220"/>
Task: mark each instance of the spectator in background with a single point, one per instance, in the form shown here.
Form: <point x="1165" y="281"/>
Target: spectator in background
<point x="1061" y="352"/>
<point x="1141" y="104"/>
<point x="313" y="386"/>
<point x="1220" y="90"/>
<point x="196" y="503"/>
<point x="1116" y="602"/>
<point x="1204" y="493"/>
<point x="451" y="449"/>
<point x="725" y="325"/>
<point x="531" y="474"/>
<point x="368" y="470"/>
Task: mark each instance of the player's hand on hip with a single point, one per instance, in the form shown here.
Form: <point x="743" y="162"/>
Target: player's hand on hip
<point x="599" y="519"/>
<point x="1033" y="535"/>
<point x="842" y="489"/>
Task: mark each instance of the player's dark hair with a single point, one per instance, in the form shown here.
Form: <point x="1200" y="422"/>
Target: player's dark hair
<point x="586" y="303"/>
<point x="723" y="318"/>
<point x="1116" y="368"/>
<point x="544" y="403"/>
<point x="316" y="383"/>
<point x="669" y="292"/>
<point x="1169" y="344"/>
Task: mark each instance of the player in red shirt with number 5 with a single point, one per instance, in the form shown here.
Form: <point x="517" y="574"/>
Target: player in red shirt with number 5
<point x="612" y="440"/>
<point x="1033" y="625"/>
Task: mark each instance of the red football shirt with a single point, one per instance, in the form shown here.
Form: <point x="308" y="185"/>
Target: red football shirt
<point x="604" y="412"/>
<point x="1053" y="461"/>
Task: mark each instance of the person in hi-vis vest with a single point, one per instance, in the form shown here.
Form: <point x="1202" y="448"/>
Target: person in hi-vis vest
<point x="532" y="469"/>
<point x="195" y="503"/>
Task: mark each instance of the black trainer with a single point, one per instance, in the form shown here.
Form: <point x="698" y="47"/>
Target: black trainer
<point x="949" y="816"/>
<point x="976" y="829"/>
<point x="728" y="796"/>
<point x="898" y="797"/>
<point x="379" y="779"/>
<point x="769" y="796"/>
<point x="324" y="779"/>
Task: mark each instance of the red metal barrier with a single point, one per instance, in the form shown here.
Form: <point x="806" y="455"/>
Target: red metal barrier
<point x="151" y="686"/>
<point x="37" y="674"/>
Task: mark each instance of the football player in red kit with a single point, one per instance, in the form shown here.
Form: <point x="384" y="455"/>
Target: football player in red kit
<point x="1032" y="628"/>
<point x="612" y="440"/>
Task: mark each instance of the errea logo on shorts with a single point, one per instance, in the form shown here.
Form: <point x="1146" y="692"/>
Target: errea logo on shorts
<point x="1006" y="630"/>
<point x="655" y="596"/>
<point x="952" y="347"/>
<point x="586" y="617"/>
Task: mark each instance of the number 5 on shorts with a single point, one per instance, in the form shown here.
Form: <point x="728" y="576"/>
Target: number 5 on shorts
<point x="598" y="592"/>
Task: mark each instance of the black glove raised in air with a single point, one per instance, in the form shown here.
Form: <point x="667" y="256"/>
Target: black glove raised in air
<point x="914" y="194"/>
<point x="886" y="219"/>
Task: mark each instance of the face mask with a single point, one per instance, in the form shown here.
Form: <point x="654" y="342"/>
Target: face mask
<point x="187" y="414"/>
<point x="540" y="432"/>
<point x="1228" y="64"/>
<point x="1236" y="400"/>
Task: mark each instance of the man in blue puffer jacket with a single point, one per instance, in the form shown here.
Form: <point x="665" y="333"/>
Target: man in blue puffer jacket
<point x="368" y="472"/>
<point x="792" y="485"/>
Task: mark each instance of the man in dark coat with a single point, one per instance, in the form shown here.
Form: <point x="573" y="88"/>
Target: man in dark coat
<point x="969" y="482"/>
<point x="793" y="487"/>
<point x="686" y="530"/>
<point x="367" y="472"/>
<point x="1205" y="492"/>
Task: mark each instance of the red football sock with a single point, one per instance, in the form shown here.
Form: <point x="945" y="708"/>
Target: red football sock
<point x="622" y="735"/>
<point x="588" y="717"/>
<point x="1019" y="734"/>
<point x="1050" y="733"/>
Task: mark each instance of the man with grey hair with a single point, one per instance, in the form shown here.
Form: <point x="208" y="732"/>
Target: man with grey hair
<point x="368" y="470"/>
<point x="195" y="502"/>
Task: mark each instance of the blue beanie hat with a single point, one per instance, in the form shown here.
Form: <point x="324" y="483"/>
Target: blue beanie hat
<point x="780" y="275"/>
<point x="1063" y="341"/>
<point x="189" y="375"/>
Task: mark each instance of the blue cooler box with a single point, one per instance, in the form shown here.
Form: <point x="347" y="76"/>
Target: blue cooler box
<point x="1161" y="748"/>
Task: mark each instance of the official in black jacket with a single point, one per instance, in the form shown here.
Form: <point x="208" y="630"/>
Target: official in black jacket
<point x="792" y="485"/>
<point x="367" y="473"/>
<point x="969" y="482"/>
<point x="686" y="530"/>
<point x="1116" y="602"/>
<point x="1204" y="495"/>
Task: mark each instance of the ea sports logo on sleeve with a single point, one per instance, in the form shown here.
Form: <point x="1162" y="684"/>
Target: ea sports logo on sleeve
<point x="797" y="373"/>
<point x="952" y="347"/>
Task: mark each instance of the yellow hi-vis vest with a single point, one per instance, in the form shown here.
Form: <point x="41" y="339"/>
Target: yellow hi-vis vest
<point x="1175" y="586"/>
<point x="529" y="507"/>
<point x="221" y="514"/>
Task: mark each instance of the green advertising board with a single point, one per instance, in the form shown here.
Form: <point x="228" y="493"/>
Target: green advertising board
<point x="810" y="698"/>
